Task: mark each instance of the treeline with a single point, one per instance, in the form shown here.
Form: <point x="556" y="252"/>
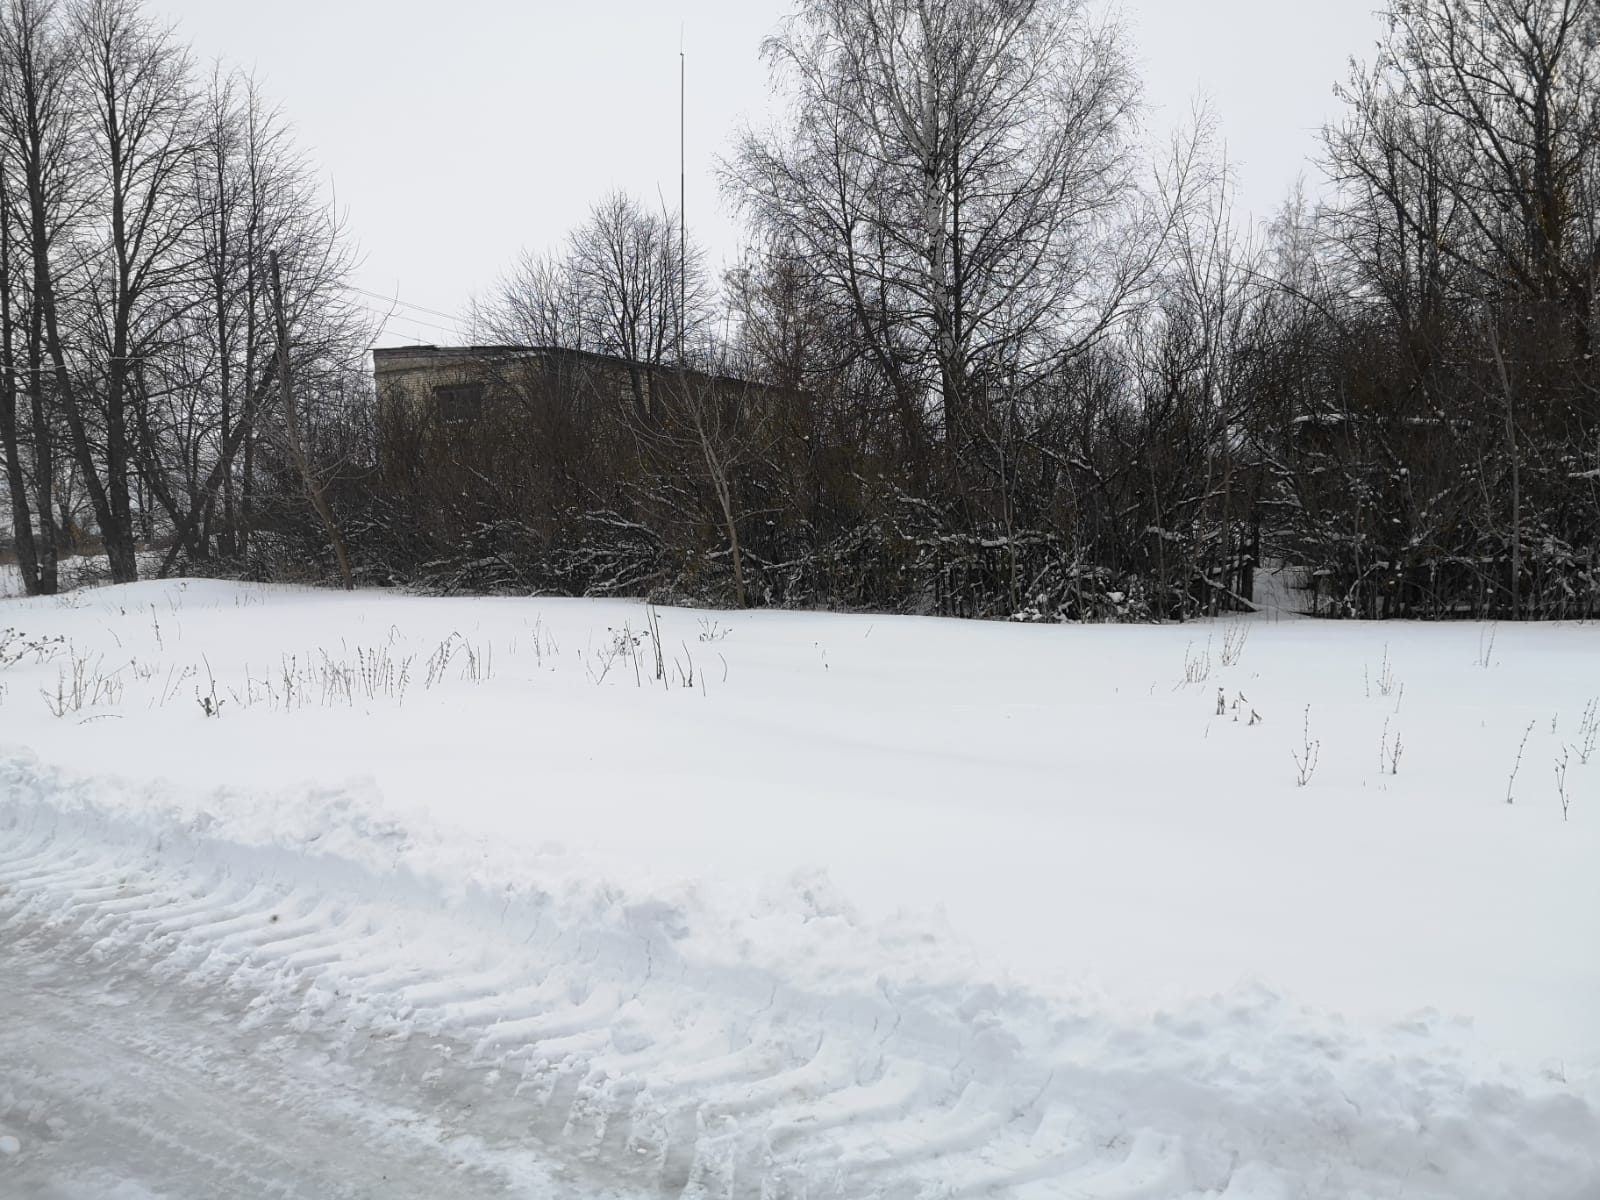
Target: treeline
<point x="1020" y="372"/>
<point x="1011" y="363"/>
<point x="140" y="200"/>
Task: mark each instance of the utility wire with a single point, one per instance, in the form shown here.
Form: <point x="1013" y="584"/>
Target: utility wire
<point x="48" y="367"/>
<point x="454" y="331"/>
<point x="395" y="300"/>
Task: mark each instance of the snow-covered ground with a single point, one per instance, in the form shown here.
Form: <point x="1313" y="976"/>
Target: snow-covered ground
<point x="834" y="906"/>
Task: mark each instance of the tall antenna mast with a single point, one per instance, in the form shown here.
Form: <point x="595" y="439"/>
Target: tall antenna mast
<point x="683" y="194"/>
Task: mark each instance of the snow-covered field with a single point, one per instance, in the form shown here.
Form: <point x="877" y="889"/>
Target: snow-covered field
<point x="823" y="906"/>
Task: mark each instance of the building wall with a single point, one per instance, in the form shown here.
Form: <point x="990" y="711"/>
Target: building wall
<point x="413" y="376"/>
<point x="408" y="376"/>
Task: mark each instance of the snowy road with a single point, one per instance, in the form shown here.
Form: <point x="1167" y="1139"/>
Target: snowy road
<point x="190" y="1021"/>
<point x="195" y="1018"/>
<point x="116" y="1086"/>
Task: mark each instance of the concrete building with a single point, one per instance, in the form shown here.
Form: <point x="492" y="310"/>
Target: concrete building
<point x="459" y="383"/>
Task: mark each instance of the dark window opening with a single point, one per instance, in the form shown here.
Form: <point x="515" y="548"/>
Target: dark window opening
<point x="459" y="401"/>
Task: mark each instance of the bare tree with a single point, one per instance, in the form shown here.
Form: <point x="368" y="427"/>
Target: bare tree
<point x="1512" y="86"/>
<point x="207" y="395"/>
<point x="295" y="438"/>
<point x="536" y="303"/>
<point x="11" y="447"/>
<point x="625" y="266"/>
<point x="710" y="427"/>
<point x="44" y="180"/>
<point x="141" y="136"/>
<point x="784" y="333"/>
<point x="1467" y="227"/>
<point x="955" y="172"/>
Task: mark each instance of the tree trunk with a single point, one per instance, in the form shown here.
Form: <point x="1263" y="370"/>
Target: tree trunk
<point x="44" y="461"/>
<point x="118" y="550"/>
<point x="21" y="517"/>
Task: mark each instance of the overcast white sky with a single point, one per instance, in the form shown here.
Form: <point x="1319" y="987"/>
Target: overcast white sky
<point x="457" y="133"/>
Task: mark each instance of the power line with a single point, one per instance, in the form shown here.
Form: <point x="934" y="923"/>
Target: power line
<point x="49" y="367"/>
<point x="395" y="300"/>
<point x="453" y="331"/>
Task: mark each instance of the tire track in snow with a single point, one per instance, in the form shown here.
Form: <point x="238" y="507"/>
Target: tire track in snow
<point x="93" y="1104"/>
<point x="765" y="1115"/>
<point x="617" y="1052"/>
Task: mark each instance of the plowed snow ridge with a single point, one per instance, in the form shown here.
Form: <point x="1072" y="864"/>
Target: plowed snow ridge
<point x="673" y="1046"/>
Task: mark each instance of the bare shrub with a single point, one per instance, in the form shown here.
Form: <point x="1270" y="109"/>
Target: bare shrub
<point x="1309" y="754"/>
